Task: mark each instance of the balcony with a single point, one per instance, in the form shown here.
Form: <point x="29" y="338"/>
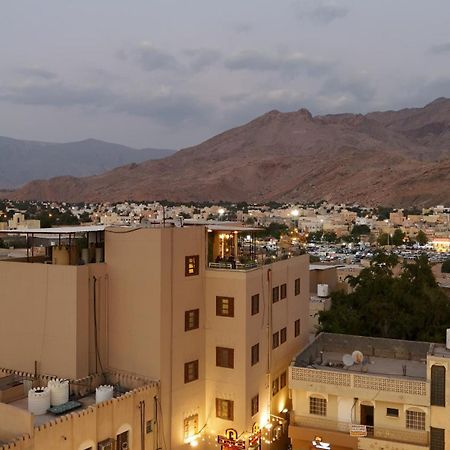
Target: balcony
<point x="419" y="438"/>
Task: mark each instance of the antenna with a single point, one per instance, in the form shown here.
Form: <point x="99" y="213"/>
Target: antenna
<point x="347" y="360"/>
<point x="357" y="357"/>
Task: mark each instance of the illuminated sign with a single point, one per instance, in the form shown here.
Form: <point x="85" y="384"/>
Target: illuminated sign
<point x="230" y="443"/>
<point x="318" y="443"/>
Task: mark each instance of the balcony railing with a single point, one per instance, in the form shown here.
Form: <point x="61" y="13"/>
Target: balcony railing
<point x="232" y="266"/>
<point x="417" y="437"/>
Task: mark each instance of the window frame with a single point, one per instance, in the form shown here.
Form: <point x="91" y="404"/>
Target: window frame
<point x="222" y="361"/>
<point x="283" y="380"/>
<point x="275" y="386"/>
<point x="255" y="304"/>
<point x="437" y="385"/>
<point x="220" y="309"/>
<point x="188" y="272"/>
<point x="187" y="366"/>
<point x="297" y="286"/>
<point x="254" y="354"/>
<point x="283" y="335"/>
<point x="415" y="420"/>
<point x="275" y="340"/>
<point x="283" y="291"/>
<point x="254" y="405"/>
<point x="219" y="409"/>
<point x="275" y="294"/>
<point x="297" y="328"/>
<point x="318" y="406"/>
<point x="390" y="412"/>
<point x="196" y="319"/>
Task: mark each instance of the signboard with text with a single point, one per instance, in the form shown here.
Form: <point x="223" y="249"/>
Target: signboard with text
<point x="358" y="430"/>
<point x="230" y="443"/>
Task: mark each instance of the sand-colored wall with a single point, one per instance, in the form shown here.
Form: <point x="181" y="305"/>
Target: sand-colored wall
<point x="14" y="422"/>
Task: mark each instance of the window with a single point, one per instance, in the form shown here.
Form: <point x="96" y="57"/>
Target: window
<point x="283" y="335"/>
<point x="255" y="405"/>
<point x="255" y="304"/>
<point x="225" y="306"/>
<point x="283" y="380"/>
<point x="275" y="386"/>
<point x="392" y="412"/>
<point x="191" y="265"/>
<point x="191" y="319"/>
<point x="318" y="406"/>
<point x="224" y="409"/>
<point x="297" y="286"/>
<point x="149" y="426"/>
<point x="122" y="441"/>
<point x="438" y="385"/>
<point x="275" y="340"/>
<point x="191" y="371"/>
<point x="225" y="357"/>
<point x="437" y="439"/>
<point x="283" y="291"/>
<point x="255" y="354"/>
<point x="275" y="294"/>
<point x="190" y="426"/>
<point x="415" y="420"/>
<point x="297" y="328"/>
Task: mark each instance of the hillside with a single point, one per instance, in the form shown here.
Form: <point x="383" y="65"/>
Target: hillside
<point x="23" y="161"/>
<point x="390" y="158"/>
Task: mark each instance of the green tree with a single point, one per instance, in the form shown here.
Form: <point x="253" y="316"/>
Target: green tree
<point x="274" y="229"/>
<point x="358" y="230"/>
<point x="398" y="237"/>
<point x="410" y="306"/>
<point x="383" y="239"/>
<point x="421" y="238"/>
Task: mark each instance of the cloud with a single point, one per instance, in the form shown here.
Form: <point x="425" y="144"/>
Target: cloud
<point x="36" y="72"/>
<point x="440" y="49"/>
<point x="201" y="58"/>
<point x="150" y="57"/>
<point x="290" y="63"/>
<point x="322" y="12"/>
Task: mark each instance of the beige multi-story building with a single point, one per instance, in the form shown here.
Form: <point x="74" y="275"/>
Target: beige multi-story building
<point x="353" y="392"/>
<point x="187" y="307"/>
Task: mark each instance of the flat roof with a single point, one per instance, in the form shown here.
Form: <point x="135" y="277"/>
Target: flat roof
<point x="57" y="230"/>
<point x="231" y="227"/>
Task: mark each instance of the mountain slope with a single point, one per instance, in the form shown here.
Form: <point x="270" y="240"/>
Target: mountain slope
<point x="372" y="159"/>
<point x="23" y="161"/>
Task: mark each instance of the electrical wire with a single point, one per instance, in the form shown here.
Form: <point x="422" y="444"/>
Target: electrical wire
<point x="97" y="352"/>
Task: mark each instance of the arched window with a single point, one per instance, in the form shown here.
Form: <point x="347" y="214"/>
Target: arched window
<point x="438" y="385"/>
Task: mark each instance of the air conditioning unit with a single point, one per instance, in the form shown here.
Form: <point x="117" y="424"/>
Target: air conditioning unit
<point x="107" y="444"/>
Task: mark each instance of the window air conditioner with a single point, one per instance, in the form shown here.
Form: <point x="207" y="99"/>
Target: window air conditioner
<point x="107" y="444"/>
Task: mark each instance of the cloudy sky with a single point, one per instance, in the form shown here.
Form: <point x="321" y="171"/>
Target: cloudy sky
<point x="171" y="73"/>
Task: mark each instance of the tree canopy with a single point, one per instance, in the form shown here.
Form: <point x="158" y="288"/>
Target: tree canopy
<point x="409" y="306"/>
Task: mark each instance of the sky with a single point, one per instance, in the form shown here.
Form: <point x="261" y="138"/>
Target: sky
<point x="172" y="73"/>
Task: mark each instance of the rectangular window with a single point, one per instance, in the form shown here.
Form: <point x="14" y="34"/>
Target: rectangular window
<point x="149" y="426"/>
<point x="225" y="306"/>
<point x="122" y="440"/>
<point x="191" y="371"/>
<point x="318" y="406"/>
<point x="275" y="340"/>
<point x="283" y="291"/>
<point x="225" y="357"/>
<point x="297" y="286"/>
<point x="275" y="386"/>
<point x="191" y="319"/>
<point x="415" y="420"/>
<point x="392" y="412"/>
<point x="437" y="439"/>
<point x="283" y="378"/>
<point x="224" y="409"/>
<point x="191" y="265"/>
<point x="283" y="335"/>
<point x="255" y="304"/>
<point x="438" y="385"/>
<point x="255" y="354"/>
<point x="190" y="426"/>
<point x="255" y="405"/>
<point x="297" y="328"/>
<point x="275" y="294"/>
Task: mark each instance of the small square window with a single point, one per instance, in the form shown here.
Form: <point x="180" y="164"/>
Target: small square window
<point x="392" y="412"/>
<point x="255" y="405"/>
<point x="225" y="306"/>
<point x="275" y="340"/>
<point x="224" y="409"/>
<point x="297" y="328"/>
<point x="297" y="286"/>
<point x="225" y="357"/>
<point x="191" y="265"/>
<point x="191" y="371"/>
<point x="283" y="335"/>
<point x="275" y="294"/>
<point x="255" y="354"/>
<point x="255" y="304"/>
<point x="283" y="291"/>
<point x="191" y="319"/>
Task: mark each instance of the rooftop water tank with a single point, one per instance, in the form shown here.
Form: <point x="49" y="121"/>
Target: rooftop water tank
<point x="59" y="392"/>
<point x="322" y="290"/>
<point x="38" y="400"/>
<point x="103" y="393"/>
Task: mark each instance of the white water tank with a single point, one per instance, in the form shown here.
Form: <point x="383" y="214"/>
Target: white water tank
<point x="103" y="393"/>
<point x="447" y="341"/>
<point x="322" y="290"/>
<point x="38" y="400"/>
<point x="59" y="392"/>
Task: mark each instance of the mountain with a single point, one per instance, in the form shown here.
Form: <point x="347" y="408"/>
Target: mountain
<point x="396" y="158"/>
<point x="23" y="161"/>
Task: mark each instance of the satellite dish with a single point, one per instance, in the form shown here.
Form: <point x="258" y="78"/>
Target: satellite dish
<point x="347" y="360"/>
<point x="357" y="357"/>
